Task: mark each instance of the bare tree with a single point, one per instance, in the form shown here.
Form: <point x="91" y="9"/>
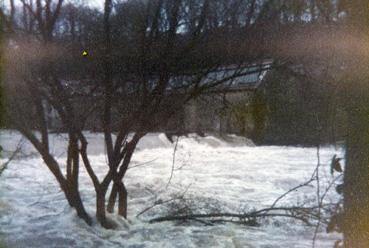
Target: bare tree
<point x="34" y="89"/>
<point x="356" y="177"/>
<point x="45" y="15"/>
<point x="175" y="49"/>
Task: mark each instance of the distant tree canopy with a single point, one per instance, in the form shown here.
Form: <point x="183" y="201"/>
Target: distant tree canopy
<point x="301" y="111"/>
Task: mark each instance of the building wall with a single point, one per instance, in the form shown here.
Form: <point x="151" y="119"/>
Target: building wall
<point x="218" y="113"/>
<point x="229" y="112"/>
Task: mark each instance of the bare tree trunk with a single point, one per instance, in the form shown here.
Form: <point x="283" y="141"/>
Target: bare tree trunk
<point x="75" y="201"/>
<point x="73" y="155"/>
<point x="12" y="12"/>
<point x="356" y="177"/>
<point x="100" y="207"/>
<point x="118" y="191"/>
<point x="101" y="211"/>
<point x="112" y="198"/>
<point x="123" y="197"/>
<point x="69" y="187"/>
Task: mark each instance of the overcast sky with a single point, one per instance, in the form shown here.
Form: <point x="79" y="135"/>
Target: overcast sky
<point x="95" y="3"/>
<point x="92" y="3"/>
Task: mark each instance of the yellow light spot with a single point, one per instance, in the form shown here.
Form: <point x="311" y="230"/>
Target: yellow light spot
<point x="84" y="53"/>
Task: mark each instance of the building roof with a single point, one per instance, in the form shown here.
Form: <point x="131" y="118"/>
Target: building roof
<point x="227" y="78"/>
<point x="239" y="78"/>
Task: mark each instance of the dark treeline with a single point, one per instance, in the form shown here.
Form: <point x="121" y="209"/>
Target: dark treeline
<point x="232" y="33"/>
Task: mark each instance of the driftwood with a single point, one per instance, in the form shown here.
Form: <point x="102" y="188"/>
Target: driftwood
<point x="298" y="213"/>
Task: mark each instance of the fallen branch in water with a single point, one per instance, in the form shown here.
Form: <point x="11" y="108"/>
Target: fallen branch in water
<point x="308" y="215"/>
<point x="161" y="202"/>
<point x="298" y="213"/>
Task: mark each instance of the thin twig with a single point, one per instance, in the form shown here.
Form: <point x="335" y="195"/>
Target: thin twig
<point x="14" y="154"/>
<point x="307" y="183"/>
<point x="161" y="202"/>
<point x="173" y="162"/>
<point x="319" y="200"/>
<point x="142" y="164"/>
